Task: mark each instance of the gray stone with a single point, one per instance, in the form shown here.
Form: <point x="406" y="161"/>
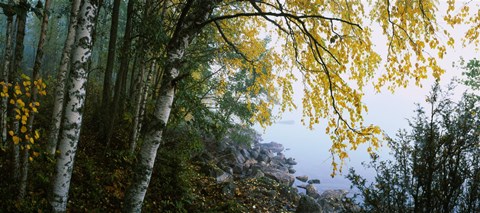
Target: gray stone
<point x="245" y="153"/>
<point x="255" y="152"/>
<point x="280" y="176"/>
<point x="334" y="201"/>
<point x="308" y="205"/>
<point x="221" y="176"/>
<point x="302" y="186"/>
<point x="291" y="170"/>
<point x="302" y="178"/>
<point x="291" y="161"/>
<point x="312" y="191"/>
<point x="249" y="163"/>
<point x="272" y="146"/>
<point x="336" y="194"/>
<point x="257" y="173"/>
<point x="314" y="181"/>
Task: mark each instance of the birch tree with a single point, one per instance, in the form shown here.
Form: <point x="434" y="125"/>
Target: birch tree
<point x="74" y="107"/>
<point x="9" y="12"/>
<point x="61" y="79"/>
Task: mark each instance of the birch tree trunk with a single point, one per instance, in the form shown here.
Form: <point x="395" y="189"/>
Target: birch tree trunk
<point x="186" y="29"/>
<point x="33" y="99"/>
<point x="72" y="121"/>
<point x="140" y="103"/>
<point x="6" y="70"/>
<point x="61" y="77"/>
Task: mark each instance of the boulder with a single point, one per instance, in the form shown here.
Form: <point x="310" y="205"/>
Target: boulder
<point x="272" y="146"/>
<point x="254" y="152"/>
<point x="334" y="201"/>
<point x="291" y="170"/>
<point x="302" y="186"/>
<point x="308" y="205"/>
<point x="314" y="181"/>
<point x="335" y="194"/>
<point x="291" y="161"/>
<point x="220" y="175"/>
<point x="312" y="191"/>
<point x="280" y="176"/>
<point x="249" y="163"/>
<point x="245" y="153"/>
<point x="302" y="178"/>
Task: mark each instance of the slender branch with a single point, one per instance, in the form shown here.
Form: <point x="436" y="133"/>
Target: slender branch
<point x="231" y="44"/>
<point x="281" y="14"/>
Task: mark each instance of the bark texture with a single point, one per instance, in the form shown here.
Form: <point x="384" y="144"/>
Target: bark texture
<point x="74" y="107"/>
<point x="6" y="70"/>
<point x="61" y="80"/>
<point x="186" y="29"/>
<point x="140" y="104"/>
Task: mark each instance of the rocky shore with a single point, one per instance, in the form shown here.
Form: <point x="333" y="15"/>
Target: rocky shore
<point x="229" y="161"/>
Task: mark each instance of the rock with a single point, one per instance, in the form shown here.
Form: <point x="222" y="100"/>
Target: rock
<point x="264" y="156"/>
<point x="257" y="173"/>
<point x="336" y="194"/>
<point x="312" y="191"/>
<point x="308" y="205"/>
<point x="255" y="152"/>
<point x="245" y="153"/>
<point x="302" y="178"/>
<point x="314" y="181"/>
<point x="272" y="146"/>
<point x="249" y="163"/>
<point x="302" y="186"/>
<point x="220" y="175"/>
<point x="291" y="161"/>
<point x="291" y="170"/>
<point x="280" y="176"/>
<point x="238" y="169"/>
<point x="334" y="201"/>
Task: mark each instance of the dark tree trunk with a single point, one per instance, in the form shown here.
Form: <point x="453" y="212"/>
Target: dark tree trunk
<point x="122" y="73"/>
<point x="110" y="64"/>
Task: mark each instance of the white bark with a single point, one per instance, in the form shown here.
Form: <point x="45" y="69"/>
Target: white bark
<point x="140" y="102"/>
<point x="148" y="153"/>
<point x="6" y="68"/>
<point x="61" y="76"/>
<point x="72" y="121"/>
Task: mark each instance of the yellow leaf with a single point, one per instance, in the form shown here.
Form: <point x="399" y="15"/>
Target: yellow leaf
<point x="20" y="103"/>
<point x="30" y="158"/>
<point x="16" y="140"/>
<point x="25" y="77"/>
<point x="37" y="134"/>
